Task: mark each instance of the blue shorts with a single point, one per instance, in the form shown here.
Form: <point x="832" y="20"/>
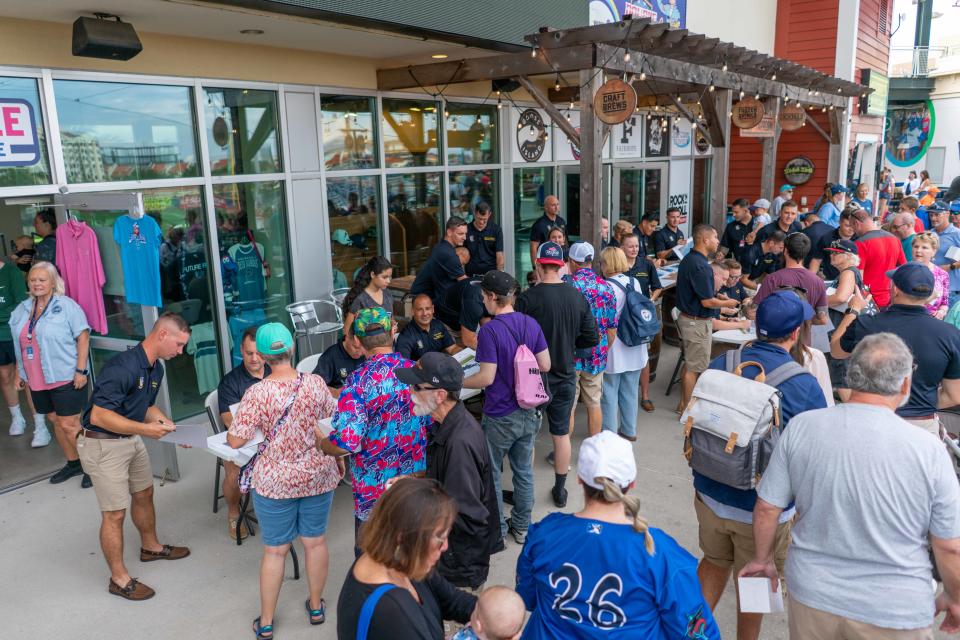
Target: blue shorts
<point x="283" y="519"/>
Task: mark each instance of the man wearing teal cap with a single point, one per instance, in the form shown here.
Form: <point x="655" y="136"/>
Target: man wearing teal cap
<point x="786" y="193"/>
<point x="375" y="423"/>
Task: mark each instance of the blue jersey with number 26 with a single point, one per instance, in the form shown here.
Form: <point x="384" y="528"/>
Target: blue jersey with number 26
<point x="589" y="579"/>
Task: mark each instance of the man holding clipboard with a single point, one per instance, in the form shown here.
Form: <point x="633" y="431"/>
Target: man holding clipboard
<point x="122" y="410"/>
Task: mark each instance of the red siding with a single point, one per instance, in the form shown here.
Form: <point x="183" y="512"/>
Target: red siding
<point x="746" y="158"/>
<point x="805" y="141"/>
<point x="873" y="52"/>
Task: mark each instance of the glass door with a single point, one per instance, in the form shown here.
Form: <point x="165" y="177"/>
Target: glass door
<point x="570" y="201"/>
<point x="639" y="189"/>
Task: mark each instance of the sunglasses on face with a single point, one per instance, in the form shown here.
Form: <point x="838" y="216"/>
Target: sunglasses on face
<point x="423" y="387"/>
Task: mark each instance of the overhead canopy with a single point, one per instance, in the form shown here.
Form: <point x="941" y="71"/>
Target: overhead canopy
<point x="673" y="61"/>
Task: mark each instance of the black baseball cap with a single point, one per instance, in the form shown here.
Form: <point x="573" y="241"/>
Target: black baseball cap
<point x="499" y="282"/>
<point x="914" y="279"/>
<point x="842" y="246"/>
<point x="437" y="369"/>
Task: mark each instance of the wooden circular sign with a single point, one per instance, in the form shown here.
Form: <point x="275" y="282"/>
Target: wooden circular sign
<point x="792" y="117"/>
<point x="798" y="170"/>
<point x="615" y="101"/>
<point x="747" y="113"/>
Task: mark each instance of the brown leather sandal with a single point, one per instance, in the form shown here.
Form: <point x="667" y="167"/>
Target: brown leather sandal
<point x="169" y="552"/>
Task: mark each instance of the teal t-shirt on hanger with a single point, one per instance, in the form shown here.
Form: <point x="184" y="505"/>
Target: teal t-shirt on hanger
<point x="139" y="240"/>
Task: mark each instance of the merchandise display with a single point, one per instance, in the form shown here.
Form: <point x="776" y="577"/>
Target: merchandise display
<point x="139" y="240"/>
<point x="78" y="259"/>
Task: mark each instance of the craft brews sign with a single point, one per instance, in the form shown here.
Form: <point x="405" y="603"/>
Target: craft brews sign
<point x="19" y="144"/>
<point x="615" y="101"/>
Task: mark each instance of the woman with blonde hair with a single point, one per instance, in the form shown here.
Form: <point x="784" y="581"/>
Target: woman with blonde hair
<point x="52" y="339"/>
<point x="604" y="570"/>
<point x="925" y="246"/>
<point x="621" y="229"/>
<point x="621" y="378"/>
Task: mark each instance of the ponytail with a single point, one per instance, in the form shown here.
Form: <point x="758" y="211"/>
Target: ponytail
<point x="613" y="493"/>
<point x="376" y="264"/>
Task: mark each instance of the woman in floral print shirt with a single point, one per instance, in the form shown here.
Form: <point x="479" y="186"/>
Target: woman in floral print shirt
<point x="292" y="481"/>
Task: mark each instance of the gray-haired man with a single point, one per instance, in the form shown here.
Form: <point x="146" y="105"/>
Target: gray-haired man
<point x="871" y="493"/>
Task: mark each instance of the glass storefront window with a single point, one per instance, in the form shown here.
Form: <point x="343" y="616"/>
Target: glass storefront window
<point x="470" y="188"/>
<point x="349" y="132"/>
<point x="416" y="219"/>
<point x="29" y="166"/>
<point x="252" y="247"/>
<point x="241" y="127"/>
<point x="531" y="185"/>
<point x="112" y="131"/>
<point x="354" y="212"/>
<point x="410" y="133"/>
<point x="471" y="134"/>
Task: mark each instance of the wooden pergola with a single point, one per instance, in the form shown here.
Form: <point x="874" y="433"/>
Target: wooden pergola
<point x="696" y="77"/>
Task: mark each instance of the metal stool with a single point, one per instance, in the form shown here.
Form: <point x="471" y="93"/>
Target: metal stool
<point x="312" y="318"/>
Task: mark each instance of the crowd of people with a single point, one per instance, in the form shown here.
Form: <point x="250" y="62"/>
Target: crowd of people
<point x="852" y="503"/>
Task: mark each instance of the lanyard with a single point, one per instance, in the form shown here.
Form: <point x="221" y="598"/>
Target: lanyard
<point x="34" y="318"/>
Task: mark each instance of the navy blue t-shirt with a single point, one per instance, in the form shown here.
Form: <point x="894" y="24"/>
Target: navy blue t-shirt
<point x="695" y="283"/>
<point x="439" y="273"/>
<point x="646" y="242"/>
<point x="735" y="292"/>
<point x="800" y="393"/>
<point x="413" y="341"/>
<point x="540" y="231"/>
<point x="935" y="345"/>
<point x="665" y="239"/>
<point x="816" y="232"/>
<point x="767" y="230"/>
<point x="233" y="385"/>
<point x="756" y="263"/>
<point x="734" y="238"/>
<point x="646" y="274"/>
<point x="483" y="247"/>
<point x="335" y="364"/>
<point x="127" y="385"/>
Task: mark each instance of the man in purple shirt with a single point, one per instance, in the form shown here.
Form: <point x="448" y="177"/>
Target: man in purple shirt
<point x="795" y="276"/>
<point x="510" y="429"/>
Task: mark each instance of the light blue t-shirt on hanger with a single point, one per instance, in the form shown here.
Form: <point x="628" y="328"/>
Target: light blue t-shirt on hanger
<point x="139" y="240"/>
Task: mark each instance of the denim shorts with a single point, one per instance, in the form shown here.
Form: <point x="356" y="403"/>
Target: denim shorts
<point x="283" y="519"/>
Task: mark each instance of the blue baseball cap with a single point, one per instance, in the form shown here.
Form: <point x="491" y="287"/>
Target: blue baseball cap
<point x="955" y="206"/>
<point x="550" y="253"/>
<point x="838" y="188"/>
<point x="913" y="279"/>
<point x="938" y="206"/>
<point x="780" y="313"/>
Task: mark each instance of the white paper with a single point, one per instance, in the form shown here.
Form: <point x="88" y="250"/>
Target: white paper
<point x="953" y="253"/>
<point x="758" y="596"/>
<point x="326" y="426"/>
<point x="234" y="408"/>
<point x="192" y="435"/>
<point x="217" y="445"/>
<point x="681" y="250"/>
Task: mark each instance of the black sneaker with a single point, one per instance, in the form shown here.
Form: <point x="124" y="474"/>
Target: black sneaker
<point x="507" y="497"/>
<point x="68" y="471"/>
<point x="552" y="458"/>
<point x="86" y="482"/>
<point x="559" y="497"/>
<point x="520" y="537"/>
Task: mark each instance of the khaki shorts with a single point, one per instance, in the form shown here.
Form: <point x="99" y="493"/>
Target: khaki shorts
<point x="807" y="623"/>
<point x="590" y="385"/>
<point x="930" y="425"/>
<point x="118" y="468"/>
<point x="729" y="544"/>
<point x="697" y="335"/>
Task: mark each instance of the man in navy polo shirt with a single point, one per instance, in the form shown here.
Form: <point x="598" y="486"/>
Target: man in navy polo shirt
<point x="787" y="222"/>
<point x="815" y="229"/>
<point x="540" y="231"/>
<point x="338" y="361"/>
<point x="121" y="411"/>
<point x="443" y="268"/>
<point x="725" y="514"/>
<point x="734" y="240"/>
<point x="670" y="236"/>
<point x="698" y="304"/>
<point x="760" y="259"/>
<point x="484" y="241"/>
<point x="935" y="344"/>
<point x="424" y="333"/>
<point x="645" y="232"/>
<point x="229" y="393"/>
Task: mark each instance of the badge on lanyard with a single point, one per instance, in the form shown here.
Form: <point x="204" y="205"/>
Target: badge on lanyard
<point x="30" y="352"/>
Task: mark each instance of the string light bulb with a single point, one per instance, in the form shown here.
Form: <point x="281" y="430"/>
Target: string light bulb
<point x="556" y="85"/>
<point x="774" y="76"/>
<point x="724" y="67"/>
<point x="742" y="94"/>
<point x="571" y="104"/>
<point x="533" y="52"/>
<point x="643" y="76"/>
<point x="757" y="96"/>
<point x="713" y="87"/>
<point x="626" y="56"/>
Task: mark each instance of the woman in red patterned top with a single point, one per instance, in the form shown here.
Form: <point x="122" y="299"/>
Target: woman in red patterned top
<point x="292" y="481"/>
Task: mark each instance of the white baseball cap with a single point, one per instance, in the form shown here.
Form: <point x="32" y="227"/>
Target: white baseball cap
<point x="581" y="252"/>
<point x="606" y="455"/>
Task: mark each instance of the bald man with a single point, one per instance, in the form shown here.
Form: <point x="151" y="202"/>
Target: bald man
<point x="425" y="333"/>
<point x="540" y="231"/>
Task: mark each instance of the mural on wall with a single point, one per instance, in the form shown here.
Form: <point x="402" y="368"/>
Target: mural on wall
<point x="673" y="12"/>
<point x="908" y="130"/>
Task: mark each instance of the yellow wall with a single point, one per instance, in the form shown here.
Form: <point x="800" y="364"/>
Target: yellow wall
<point x="47" y="45"/>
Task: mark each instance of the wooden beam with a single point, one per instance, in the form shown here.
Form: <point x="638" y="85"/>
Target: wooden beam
<point x="720" y="164"/>
<point x="816" y="126"/>
<point x="715" y="111"/>
<point x="768" y="166"/>
<point x="558" y="118"/>
<point x="491" y="68"/>
<point x="837" y="159"/>
<point x="836" y="126"/>
<point x="591" y="163"/>
<point x="694" y="120"/>
<point x="610" y="32"/>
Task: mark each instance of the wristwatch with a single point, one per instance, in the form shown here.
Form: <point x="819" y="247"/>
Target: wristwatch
<point x="82" y="372"/>
<point x="852" y="312"/>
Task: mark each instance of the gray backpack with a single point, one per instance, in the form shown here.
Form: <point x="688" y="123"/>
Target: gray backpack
<point x="732" y="423"/>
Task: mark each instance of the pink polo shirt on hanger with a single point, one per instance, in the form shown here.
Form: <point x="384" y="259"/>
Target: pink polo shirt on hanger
<point x="78" y="259"/>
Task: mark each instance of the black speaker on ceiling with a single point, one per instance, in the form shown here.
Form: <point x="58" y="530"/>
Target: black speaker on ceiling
<point x="505" y="85"/>
<point x="102" y="38"/>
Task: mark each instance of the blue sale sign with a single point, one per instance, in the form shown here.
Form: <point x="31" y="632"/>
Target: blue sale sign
<point x="673" y="12"/>
<point x="19" y="143"/>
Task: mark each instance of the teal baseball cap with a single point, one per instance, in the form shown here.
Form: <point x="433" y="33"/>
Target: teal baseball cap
<point x="273" y="338"/>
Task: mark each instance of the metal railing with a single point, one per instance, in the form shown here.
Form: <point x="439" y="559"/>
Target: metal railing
<point x="916" y="61"/>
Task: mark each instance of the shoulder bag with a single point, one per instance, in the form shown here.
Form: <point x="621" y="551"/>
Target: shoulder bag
<point x="246" y="473"/>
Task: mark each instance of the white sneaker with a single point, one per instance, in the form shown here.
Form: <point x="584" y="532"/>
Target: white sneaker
<point x="41" y="437"/>
<point x="17" y="426"/>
